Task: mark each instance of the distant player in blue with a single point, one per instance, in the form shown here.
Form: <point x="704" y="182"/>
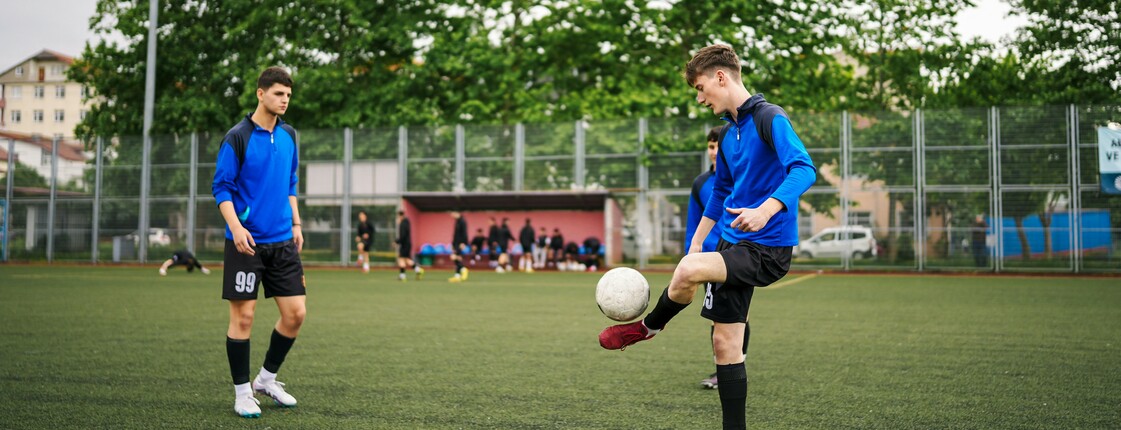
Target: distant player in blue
<point x="698" y="197"/>
<point x="762" y="170"/>
<point x="255" y="181"/>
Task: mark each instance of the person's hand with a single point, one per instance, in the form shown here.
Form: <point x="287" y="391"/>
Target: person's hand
<point x="243" y="241"/>
<point x="749" y="219"/>
<point x="694" y="248"/>
<point x="298" y="237"/>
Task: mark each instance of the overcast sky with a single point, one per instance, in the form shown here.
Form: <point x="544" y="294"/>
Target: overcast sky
<point x="26" y="27"/>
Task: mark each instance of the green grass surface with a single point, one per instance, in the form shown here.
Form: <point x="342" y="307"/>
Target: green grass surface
<point x="84" y="347"/>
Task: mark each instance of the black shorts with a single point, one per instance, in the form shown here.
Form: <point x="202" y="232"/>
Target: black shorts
<point x="405" y="250"/>
<point x="276" y="265"/>
<point x="366" y="245"/>
<point x="749" y="265"/>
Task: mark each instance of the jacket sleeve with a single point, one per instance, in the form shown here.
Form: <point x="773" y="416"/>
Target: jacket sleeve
<point x="225" y="174"/>
<point x="800" y="171"/>
<point x="293" y="185"/>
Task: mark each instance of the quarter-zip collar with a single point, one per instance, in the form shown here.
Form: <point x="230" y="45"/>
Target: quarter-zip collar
<point x="747" y="108"/>
<point x="272" y="134"/>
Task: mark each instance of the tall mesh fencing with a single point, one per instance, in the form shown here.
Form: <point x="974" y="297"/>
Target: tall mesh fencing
<point x="981" y="189"/>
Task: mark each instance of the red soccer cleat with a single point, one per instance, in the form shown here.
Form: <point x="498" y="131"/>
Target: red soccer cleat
<point x="623" y="335"/>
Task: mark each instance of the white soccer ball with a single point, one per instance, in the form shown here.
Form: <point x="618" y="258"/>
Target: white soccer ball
<point x="622" y="294"/>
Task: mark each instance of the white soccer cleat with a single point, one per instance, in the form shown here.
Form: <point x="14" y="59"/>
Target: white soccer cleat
<point x="275" y="389"/>
<point x="163" y="272"/>
<point x="247" y="407"/>
<point x="205" y="271"/>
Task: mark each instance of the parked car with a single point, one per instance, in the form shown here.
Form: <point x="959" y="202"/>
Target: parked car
<point x="855" y="241"/>
<point x="156" y="236"/>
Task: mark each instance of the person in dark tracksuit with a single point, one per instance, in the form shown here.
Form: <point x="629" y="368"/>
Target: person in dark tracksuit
<point x="459" y="247"/>
<point x="526" y="237"/>
<point x="405" y="248"/>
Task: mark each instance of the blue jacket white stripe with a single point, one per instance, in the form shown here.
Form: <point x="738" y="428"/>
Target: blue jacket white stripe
<point x="259" y="185"/>
<point x="758" y="173"/>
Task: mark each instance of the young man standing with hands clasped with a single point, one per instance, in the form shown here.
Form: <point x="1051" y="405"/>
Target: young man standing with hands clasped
<point x="255" y="185"/>
<point x="762" y="169"/>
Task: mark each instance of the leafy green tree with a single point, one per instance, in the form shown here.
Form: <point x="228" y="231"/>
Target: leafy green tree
<point x="1080" y="41"/>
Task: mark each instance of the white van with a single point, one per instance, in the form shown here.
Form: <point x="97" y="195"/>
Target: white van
<point x="854" y="240"/>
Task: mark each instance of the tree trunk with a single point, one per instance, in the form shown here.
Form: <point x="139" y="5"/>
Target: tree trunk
<point x="1045" y="220"/>
<point x="1025" y="248"/>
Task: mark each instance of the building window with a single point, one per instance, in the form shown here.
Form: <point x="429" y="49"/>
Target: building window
<point x="85" y="91"/>
<point x="82" y="114"/>
<point x="19" y="71"/>
<point x="57" y="70"/>
<point x="59" y="115"/>
<point x="863" y="218"/>
<point x="60" y="91"/>
<point x="37" y="115"/>
<point x="16" y="92"/>
<point x="17" y="117"/>
<point x="45" y="157"/>
<point x="39" y="91"/>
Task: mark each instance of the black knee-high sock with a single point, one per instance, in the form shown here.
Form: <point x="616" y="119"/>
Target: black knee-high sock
<point x="402" y="270"/>
<point x="458" y="265"/>
<point x="733" y="394"/>
<point x="664" y="311"/>
<point x="237" y="351"/>
<point x="278" y="349"/>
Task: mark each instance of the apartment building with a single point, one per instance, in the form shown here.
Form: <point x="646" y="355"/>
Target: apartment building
<point x="36" y="98"/>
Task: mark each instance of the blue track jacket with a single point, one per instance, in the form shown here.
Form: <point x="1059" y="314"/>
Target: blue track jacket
<point x="260" y="184"/>
<point x="749" y="171"/>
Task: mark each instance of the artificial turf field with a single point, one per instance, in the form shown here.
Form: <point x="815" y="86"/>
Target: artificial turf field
<point x="105" y="347"/>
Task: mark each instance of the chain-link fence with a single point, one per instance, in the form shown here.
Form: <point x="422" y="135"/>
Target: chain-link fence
<point x="996" y="189"/>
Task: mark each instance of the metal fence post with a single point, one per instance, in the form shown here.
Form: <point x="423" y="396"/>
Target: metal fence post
<point x="920" y="191"/>
<point x="645" y="230"/>
<point x="402" y="159"/>
<point x="578" y="155"/>
<point x="53" y="199"/>
<point x="95" y="228"/>
<point x="519" y="157"/>
<point x="1075" y="193"/>
<point x="344" y="222"/>
<point x="998" y="203"/>
<point x="460" y="158"/>
<point x="8" y="197"/>
<point x="846" y="174"/>
<point x="145" y="189"/>
<point x="192" y="193"/>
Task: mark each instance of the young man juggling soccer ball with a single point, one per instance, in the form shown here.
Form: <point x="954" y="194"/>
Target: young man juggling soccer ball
<point x="255" y="185"/>
<point x="762" y="169"/>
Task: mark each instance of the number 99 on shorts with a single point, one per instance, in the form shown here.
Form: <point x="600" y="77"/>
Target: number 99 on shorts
<point x="245" y="282"/>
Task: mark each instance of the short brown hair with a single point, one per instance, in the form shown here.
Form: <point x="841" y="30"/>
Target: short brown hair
<point x="710" y="58"/>
<point x="274" y="75"/>
<point x="714" y="134"/>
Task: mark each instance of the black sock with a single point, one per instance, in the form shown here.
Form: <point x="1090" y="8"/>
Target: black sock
<point x="664" y="311"/>
<point x="278" y="349"/>
<point x="402" y="270"/>
<point x="237" y="351"/>
<point x="733" y="394"/>
<point x="458" y="266"/>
